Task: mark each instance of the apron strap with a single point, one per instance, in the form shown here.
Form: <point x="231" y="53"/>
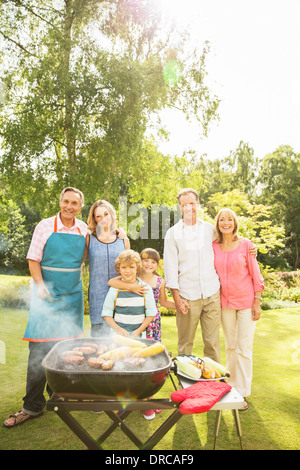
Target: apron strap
<point x="55" y="226"/>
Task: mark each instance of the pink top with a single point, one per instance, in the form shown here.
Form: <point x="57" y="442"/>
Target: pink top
<point x="239" y="276"/>
<point x="44" y="229"/>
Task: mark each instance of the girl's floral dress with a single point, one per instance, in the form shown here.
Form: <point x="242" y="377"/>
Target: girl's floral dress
<point x="153" y="331"/>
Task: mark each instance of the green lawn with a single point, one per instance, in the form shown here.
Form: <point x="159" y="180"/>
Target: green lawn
<point x="271" y="422"/>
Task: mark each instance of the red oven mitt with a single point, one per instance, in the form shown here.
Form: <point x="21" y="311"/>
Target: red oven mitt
<point x="199" y="397"/>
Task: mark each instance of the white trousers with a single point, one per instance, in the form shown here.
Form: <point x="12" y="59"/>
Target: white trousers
<point x="238" y="328"/>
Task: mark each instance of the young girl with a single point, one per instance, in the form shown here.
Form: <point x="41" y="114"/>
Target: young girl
<point x="150" y="261"/>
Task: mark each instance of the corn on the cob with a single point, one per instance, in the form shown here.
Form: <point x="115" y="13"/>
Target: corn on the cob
<point x="217" y="374"/>
<point x="150" y="350"/>
<point x="208" y="372"/>
<point x="217" y="367"/>
<point x="116" y="354"/>
<point x="190" y="369"/>
<point x="124" y="341"/>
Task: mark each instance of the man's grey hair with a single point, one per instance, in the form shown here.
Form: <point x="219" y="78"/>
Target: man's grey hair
<point x="74" y="190"/>
<point x="185" y="191"/>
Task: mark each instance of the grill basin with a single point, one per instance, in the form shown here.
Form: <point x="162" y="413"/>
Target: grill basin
<point x="117" y="382"/>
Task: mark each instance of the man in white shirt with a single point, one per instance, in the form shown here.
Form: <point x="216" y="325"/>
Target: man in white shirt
<point x="191" y="276"/>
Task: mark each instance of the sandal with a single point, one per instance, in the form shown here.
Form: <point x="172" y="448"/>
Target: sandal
<point x="18" y="418"/>
<point x="245" y="406"/>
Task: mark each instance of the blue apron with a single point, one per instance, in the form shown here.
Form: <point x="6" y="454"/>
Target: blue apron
<point x="60" y="317"/>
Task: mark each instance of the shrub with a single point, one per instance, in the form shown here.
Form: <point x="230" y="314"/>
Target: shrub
<point x="292" y="294"/>
<point x="15" y="292"/>
<point x="282" y="289"/>
<point x="291" y="278"/>
<point x="85" y="287"/>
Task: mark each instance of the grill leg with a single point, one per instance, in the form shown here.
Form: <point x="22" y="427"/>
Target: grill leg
<point x="119" y="421"/>
<point x="162" y="430"/>
<point x="112" y="427"/>
<point x="80" y="432"/>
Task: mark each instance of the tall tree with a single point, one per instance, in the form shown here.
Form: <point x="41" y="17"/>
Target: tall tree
<point x="279" y="178"/>
<point x="255" y="220"/>
<point x="243" y="168"/>
<point x="83" y="79"/>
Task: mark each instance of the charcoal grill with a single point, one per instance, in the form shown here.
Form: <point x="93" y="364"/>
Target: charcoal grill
<point x="117" y="382"/>
<point x="117" y="392"/>
<point x="85" y="390"/>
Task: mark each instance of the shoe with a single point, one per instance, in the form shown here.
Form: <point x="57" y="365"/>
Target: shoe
<point x="19" y="418"/>
<point x="245" y="406"/>
<point x="149" y="414"/>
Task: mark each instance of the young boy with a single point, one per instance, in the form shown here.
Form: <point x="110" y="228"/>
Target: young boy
<point x="127" y="312"/>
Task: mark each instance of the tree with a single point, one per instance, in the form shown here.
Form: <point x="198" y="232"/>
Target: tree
<point x="84" y="77"/>
<point x="255" y="220"/>
<point x="242" y="166"/>
<point x="279" y="178"/>
<point x="14" y="239"/>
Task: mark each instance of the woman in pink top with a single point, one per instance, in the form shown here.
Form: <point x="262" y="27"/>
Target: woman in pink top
<point x="241" y="286"/>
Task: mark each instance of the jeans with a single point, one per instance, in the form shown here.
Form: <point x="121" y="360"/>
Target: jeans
<point x="34" y="400"/>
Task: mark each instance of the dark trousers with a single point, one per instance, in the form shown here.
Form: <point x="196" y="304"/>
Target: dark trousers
<point x="34" y="400"/>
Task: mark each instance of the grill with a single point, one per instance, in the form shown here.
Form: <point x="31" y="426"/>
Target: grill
<point x="119" y="381"/>
<point x="117" y="392"/>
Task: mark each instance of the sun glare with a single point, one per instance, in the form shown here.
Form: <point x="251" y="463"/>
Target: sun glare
<point x="181" y="11"/>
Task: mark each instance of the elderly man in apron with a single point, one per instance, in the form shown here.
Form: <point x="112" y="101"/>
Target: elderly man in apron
<point x="55" y="256"/>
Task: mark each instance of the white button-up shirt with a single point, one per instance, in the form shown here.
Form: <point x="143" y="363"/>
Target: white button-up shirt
<point x="189" y="260"/>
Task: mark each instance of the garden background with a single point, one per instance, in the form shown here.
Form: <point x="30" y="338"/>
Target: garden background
<point x="82" y="86"/>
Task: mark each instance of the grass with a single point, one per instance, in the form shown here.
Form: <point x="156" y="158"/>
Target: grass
<point x="271" y="422"/>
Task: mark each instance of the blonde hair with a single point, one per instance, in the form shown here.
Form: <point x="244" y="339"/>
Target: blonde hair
<point x="230" y="212"/>
<point x="129" y="256"/>
<point x="92" y="224"/>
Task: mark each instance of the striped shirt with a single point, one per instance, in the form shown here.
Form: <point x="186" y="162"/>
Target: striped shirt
<point x="129" y="309"/>
<point x="45" y="228"/>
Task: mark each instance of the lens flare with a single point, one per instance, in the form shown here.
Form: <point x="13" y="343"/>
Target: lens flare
<point x="172" y="73"/>
<point x="126" y="396"/>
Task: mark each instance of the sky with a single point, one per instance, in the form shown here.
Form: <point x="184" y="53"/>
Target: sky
<point x="254" y="69"/>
